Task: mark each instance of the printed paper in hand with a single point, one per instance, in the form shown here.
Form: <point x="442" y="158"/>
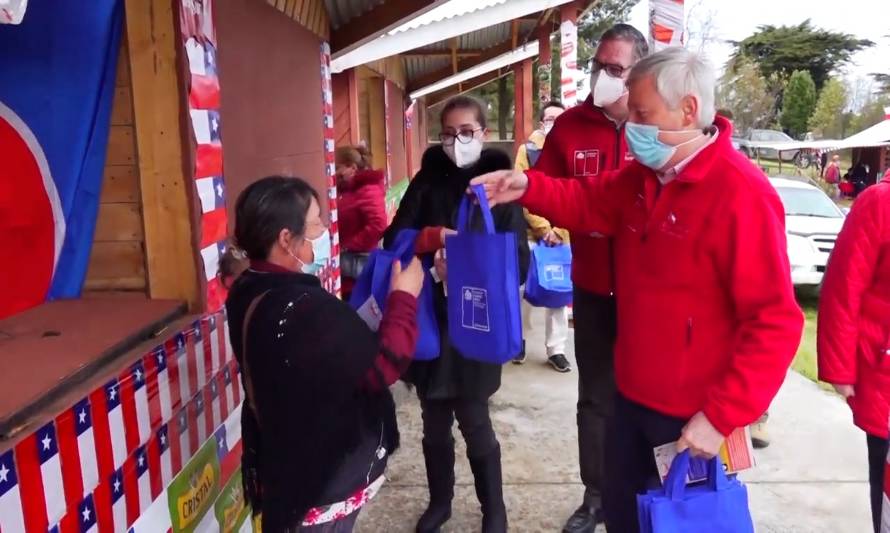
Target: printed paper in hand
<point x="370" y="312"/>
<point x="737" y="455"/>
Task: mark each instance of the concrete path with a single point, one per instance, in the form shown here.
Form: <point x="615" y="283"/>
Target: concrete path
<point x="812" y="479"/>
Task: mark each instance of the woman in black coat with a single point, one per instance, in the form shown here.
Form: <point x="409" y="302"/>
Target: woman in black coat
<point x="451" y="385"/>
<point x="318" y="422"/>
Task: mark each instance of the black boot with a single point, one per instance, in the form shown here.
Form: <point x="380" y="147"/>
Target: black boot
<point x="490" y="491"/>
<point x="440" y="477"/>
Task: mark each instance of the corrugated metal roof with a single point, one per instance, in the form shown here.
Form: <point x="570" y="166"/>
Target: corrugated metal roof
<point x="342" y="11"/>
<point x="453" y="8"/>
<point x="417" y="66"/>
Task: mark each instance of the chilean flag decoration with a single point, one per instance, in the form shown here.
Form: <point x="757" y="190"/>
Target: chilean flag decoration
<point x="56" y="89"/>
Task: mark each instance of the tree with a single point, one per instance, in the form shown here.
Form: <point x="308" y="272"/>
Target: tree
<point x="828" y="116"/>
<point x="701" y="26"/>
<point x="798" y="104"/>
<point x="750" y="97"/>
<point x="871" y="114"/>
<point x="783" y="50"/>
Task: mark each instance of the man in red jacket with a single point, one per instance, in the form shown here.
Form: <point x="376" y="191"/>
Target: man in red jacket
<point x="587" y="141"/>
<point x="707" y="321"/>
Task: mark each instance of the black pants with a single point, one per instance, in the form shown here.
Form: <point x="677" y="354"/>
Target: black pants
<point x="472" y="419"/>
<point x="594" y="317"/>
<point x="877" y="457"/>
<point x="630" y="464"/>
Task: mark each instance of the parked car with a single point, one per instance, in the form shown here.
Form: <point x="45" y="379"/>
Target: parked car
<point x="765" y="136"/>
<point x="812" y="223"/>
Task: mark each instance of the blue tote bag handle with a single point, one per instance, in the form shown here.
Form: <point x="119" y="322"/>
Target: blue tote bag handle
<point x="675" y="484"/>
<point x="466" y="206"/>
<point x="403" y="245"/>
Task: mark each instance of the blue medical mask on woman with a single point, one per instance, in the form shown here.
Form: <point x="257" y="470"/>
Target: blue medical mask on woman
<point x="642" y="139"/>
<point x="321" y="254"/>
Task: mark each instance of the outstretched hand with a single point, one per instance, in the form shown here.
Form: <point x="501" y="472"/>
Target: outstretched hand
<point x="502" y="186"/>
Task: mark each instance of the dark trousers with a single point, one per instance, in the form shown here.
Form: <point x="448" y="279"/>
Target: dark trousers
<point x="472" y="419"/>
<point x="594" y="317"/>
<point x="877" y="458"/>
<point x="630" y="464"/>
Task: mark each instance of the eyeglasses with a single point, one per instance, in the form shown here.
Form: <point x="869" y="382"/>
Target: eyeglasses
<point x="464" y="136"/>
<point x="616" y="71"/>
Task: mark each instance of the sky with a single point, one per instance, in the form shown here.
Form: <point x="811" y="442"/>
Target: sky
<point x="737" y="19"/>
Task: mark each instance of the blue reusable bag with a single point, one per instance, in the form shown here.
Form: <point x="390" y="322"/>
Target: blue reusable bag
<point x="484" y="321"/>
<point x="372" y="289"/>
<point x="718" y="505"/>
<point x="549" y="282"/>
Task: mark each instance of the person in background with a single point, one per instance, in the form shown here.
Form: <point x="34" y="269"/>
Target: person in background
<point x="832" y="175"/>
<point x="453" y="386"/>
<point x="704" y="340"/>
<point x="854" y="312"/>
<point x="318" y="421"/>
<point x="361" y="208"/>
<point x="586" y="142"/>
<point x="540" y="232"/>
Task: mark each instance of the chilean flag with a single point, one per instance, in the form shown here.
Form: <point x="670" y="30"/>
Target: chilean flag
<point x="53" y="150"/>
<point x="39" y="472"/>
<point x="77" y="448"/>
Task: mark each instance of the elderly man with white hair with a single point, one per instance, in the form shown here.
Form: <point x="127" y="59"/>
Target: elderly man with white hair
<point x="707" y="320"/>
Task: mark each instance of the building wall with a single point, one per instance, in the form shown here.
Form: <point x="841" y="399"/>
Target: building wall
<point x="270" y="74"/>
<point x="117" y="261"/>
<point x="342" y="109"/>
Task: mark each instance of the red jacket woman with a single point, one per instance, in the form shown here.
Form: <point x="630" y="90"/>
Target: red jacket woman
<point x="854" y="324"/>
<point x="361" y="209"/>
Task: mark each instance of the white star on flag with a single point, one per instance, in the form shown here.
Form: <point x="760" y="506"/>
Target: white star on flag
<point x="117" y="485"/>
<point x="112" y="392"/>
<point x="46" y="442"/>
<point x="4" y="473"/>
<point x="141" y="460"/>
<point x="86" y="514"/>
<point x="163" y="439"/>
<point x="138" y="375"/>
<point x="82" y="416"/>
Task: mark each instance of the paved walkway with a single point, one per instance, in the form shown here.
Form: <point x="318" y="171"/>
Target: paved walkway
<point x="812" y="479"/>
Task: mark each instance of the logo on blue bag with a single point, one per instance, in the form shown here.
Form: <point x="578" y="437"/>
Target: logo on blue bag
<point x="554" y="273"/>
<point x="475" y="309"/>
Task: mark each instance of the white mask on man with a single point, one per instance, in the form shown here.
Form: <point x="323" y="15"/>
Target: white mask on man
<point x="464" y="155"/>
<point x="606" y="89"/>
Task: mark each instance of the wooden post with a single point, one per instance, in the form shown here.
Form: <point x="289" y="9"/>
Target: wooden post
<point x="522" y="117"/>
<point x="354" y="126"/>
<point x="545" y="58"/>
<point x="568" y="64"/>
<point x="171" y="252"/>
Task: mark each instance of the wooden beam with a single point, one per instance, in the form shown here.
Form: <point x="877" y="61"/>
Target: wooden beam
<point x="438" y="97"/>
<point x="441" y="53"/>
<point x="171" y="257"/>
<point x="354" y="124"/>
<point x="444" y="72"/>
<point x="382" y="16"/>
<point x="454" y="43"/>
<point x="514" y="33"/>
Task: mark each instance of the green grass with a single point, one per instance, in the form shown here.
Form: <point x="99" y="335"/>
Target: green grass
<point x="805" y="361"/>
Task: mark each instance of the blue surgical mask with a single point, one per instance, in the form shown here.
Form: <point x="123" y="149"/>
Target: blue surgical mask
<point x="321" y="254"/>
<point x="642" y="139"/>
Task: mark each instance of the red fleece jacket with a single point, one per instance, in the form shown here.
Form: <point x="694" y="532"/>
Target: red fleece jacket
<point x="854" y="306"/>
<point x="707" y="319"/>
<point x="361" y="209"/>
<point x="585" y="143"/>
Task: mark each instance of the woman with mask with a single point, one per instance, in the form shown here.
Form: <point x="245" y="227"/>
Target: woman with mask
<point x="318" y="421"/>
<point x="451" y="386"/>
<point x="361" y="207"/>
